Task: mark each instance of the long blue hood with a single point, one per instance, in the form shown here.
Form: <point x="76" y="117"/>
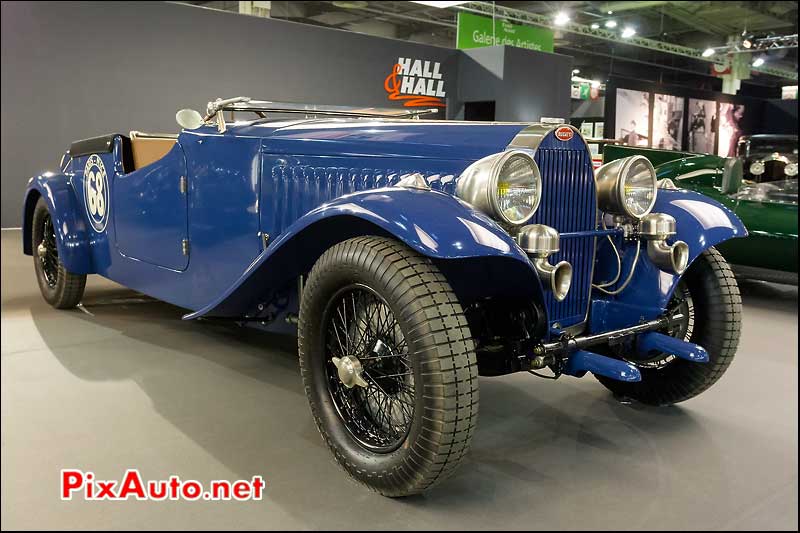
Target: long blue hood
<point x="412" y="139"/>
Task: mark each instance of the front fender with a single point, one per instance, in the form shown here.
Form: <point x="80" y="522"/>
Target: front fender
<point x="701" y="223"/>
<point x="434" y="224"/>
<point x="71" y="229"/>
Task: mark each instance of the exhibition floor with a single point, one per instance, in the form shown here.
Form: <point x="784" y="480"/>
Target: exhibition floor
<point x="124" y="383"/>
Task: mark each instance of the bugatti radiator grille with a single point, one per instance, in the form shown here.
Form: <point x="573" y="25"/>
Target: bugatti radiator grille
<point x="569" y="205"/>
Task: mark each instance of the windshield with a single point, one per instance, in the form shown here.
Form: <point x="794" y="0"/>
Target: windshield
<point x="779" y="192"/>
<point x="769" y="146"/>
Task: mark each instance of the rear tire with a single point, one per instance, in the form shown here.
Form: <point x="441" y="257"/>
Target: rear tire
<point x="717" y="310"/>
<point x="60" y="288"/>
<point x="396" y="435"/>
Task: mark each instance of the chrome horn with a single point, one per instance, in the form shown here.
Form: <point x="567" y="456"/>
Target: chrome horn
<point x="656" y="228"/>
<point x="541" y="241"/>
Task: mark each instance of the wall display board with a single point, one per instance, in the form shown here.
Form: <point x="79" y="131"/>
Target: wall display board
<point x="730" y="128"/>
<point x="633" y="117"/>
<point x="667" y="122"/>
<point x="702" y="125"/>
<point x="599" y="130"/>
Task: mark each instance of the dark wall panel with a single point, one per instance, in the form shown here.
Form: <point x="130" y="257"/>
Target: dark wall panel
<point x="75" y="70"/>
<point x="72" y="70"/>
<point x="526" y="85"/>
<point x="779" y="116"/>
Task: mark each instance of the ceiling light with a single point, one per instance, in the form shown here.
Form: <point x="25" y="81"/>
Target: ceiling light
<point x="708" y="52"/>
<point x="439" y="4"/>
<point x="747" y="43"/>
<point x="561" y="18"/>
<point x="758" y="62"/>
<point x="576" y="71"/>
<point x="595" y="25"/>
<point x="610" y="12"/>
<point x="611" y="24"/>
<point x="628" y="32"/>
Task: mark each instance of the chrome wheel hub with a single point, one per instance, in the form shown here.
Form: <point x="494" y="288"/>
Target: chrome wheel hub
<point x="350" y="371"/>
<point x="42" y="249"/>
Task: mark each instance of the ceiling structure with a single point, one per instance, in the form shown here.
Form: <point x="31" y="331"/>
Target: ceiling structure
<point x="670" y="36"/>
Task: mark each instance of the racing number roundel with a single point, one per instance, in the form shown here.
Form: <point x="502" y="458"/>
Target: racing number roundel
<point x="564" y="133"/>
<point x="95" y="192"/>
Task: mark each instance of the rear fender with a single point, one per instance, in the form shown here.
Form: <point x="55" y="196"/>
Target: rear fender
<point x="701" y="223"/>
<point x="464" y="242"/>
<point x="71" y="228"/>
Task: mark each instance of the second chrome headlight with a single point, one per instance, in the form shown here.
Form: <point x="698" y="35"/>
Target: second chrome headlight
<point x="506" y="186"/>
<point x="627" y="187"/>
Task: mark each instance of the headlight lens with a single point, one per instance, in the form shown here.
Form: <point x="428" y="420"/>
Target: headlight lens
<point x="627" y="187"/>
<point x="638" y="191"/>
<point x="518" y="190"/>
<point x="790" y="170"/>
<point x="757" y="168"/>
<point x="506" y="186"/>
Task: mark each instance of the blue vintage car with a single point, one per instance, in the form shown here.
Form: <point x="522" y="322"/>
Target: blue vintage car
<point x="410" y="255"/>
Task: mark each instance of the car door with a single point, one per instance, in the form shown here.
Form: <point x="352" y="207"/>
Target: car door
<point x="769" y="212"/>
<point x="150" y="213"/>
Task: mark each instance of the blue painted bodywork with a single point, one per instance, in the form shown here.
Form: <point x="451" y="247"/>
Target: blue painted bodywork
<point x="266" y="198"/>
<point x="653" y="343"/>
<point x="701" y="223"/>
<point x="582" y="361"/>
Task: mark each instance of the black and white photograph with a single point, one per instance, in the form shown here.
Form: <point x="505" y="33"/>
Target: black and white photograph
<point x="702" y="125"/>
<point x="633" y="117"/>
<point x="667" y="122"/>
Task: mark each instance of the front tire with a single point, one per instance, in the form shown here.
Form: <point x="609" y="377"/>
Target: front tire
<point x="59" y="287"/>
<point x="388" y="365"/>
<point x="710" y="297"/>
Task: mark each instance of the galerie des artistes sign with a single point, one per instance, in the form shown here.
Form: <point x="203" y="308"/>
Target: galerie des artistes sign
<point x="475" y="31"/>
<point x="416" y="83"/>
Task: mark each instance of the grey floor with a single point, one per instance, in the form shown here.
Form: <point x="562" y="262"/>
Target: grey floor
<point x="127" y="384"/>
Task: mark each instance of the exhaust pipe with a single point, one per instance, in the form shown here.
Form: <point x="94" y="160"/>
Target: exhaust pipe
<point x="557" y="277"/>
<point x="656" y="228"/>
<point x="541" y="241"/>
<point x="669" y="258"/>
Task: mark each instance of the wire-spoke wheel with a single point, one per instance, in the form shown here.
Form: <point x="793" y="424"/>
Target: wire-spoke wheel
<point x="48" y="252"/>
<point x="388" y="365"/>
<point x="708" y="297"/>
<point x="60" y="288"/>
<point x="680" y="303"/>
<point x="365" y="341"/>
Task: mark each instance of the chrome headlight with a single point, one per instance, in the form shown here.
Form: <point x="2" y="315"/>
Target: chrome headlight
<point x="506" y="186"/>
<point x="757" y="168"/>
<point x="627" y="187"/>
<point x="790" y="170"/>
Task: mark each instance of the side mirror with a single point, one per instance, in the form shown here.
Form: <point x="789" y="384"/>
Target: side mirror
<point x="732" y="174"/>
<point x="189" y="119"/>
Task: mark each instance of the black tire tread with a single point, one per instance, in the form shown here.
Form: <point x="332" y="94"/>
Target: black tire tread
<point x="718" y="325"/>
<point x="69" y="287"/>
<point x="436" y="319"/>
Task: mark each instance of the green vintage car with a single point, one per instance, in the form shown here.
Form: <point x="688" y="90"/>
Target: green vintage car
<point x="767" y="207"/>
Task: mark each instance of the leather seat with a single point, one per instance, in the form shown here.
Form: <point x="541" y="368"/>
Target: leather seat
<point x="148" y="148"/>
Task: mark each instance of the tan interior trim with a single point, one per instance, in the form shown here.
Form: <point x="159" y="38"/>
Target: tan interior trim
<point x="148" y="148"/>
